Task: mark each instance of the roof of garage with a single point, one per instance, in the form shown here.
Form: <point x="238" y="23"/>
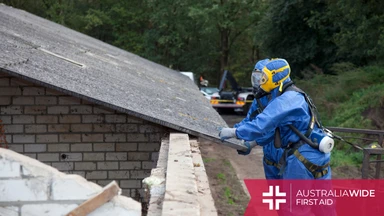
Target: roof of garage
<point x="57" y="57"/>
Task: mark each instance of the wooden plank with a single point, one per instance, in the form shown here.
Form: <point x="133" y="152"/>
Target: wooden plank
<point x="109" y="191"/>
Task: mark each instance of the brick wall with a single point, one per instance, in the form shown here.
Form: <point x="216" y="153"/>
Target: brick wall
<point x="76" y="136"/>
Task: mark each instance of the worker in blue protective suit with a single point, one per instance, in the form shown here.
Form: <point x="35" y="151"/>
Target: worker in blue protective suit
<point x="272" y="155"/>
<point x="299" y="131"/>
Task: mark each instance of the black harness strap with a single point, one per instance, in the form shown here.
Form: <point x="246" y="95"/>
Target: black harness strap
<point x="317" y="171"/>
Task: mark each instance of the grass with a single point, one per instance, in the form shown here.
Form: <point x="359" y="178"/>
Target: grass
<point x="228" y="195"/>
<point x="342" y="99"/>
<point x="221" y="177"/>
<point x="207" y="160"/>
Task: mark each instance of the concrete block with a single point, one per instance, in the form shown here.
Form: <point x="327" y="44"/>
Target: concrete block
<point x="104" y="128"/>
<point x="9" y="211"/>
<point x="5" y="119"/>
<point x="181" y="180"/>
<point x="93" y="156"/>
<point x="126" y="147"/>
<point x="49" y="138"/>
<point x="130" y="183"/>
<point x="59" y="128"/>
<point x="115" y="137"/>
<point x="68" y="100"/>
<point x="23" y="138"/>
<point x="130" y="165"/>
<point x="103" y="182"/>
<point x="150" y="128"/>
<point x="135" y="120"/>
<point x="71" y="157"/>
<point x="105" y="147"/>
<point x="16" y="147"/>
<point x="13" y="128"/>
<point x="107" y="165"/>
<point x="9" y="169"/>
<point x="46" y="119"/>
<point x="21" y="100"/>
<point x="23" y="119"/>
<point x="5" y="101"/>
<point x="35" y="189"/>
<point x="139" y="174"/>
<point x="148" y="164"/>
<point x="81" y="128"/>
<point x="11" y="110"/>
<point x="118" y="174"/>
<point x="46" y="100"/>
<point x="70" y="138"/>
<point x="155" y="137"/>
<point x="35" y="148"/>
<point x="39" y="110"/>
<point x="149" y="146"/>
<point x="116" y="156"/>
<point x="70" y="119"/>
<point x="10" y="91"/>
<point x="58" y="147"/>
<point x="115" y="118"/>
<point x="53" y="92"/>
<point x="4" y="81"/>
<point x="31" y="155"/>
<point x="63" y="166"/>
<point x="92" y="118"/>
<point x="34" y="91"/>
<point x="83" y="101"/>
<point x="81" y="147"/>
<point x="46" y="209"/>
<point x="20" y="82"/>
<point x="136" y="137"/>
<point x="127" y="128"/>
<point x="35" y="128"/>
<point x="48" y="157"/>
<point x="58" y="110"/>
<point x="102" y="110"/>
<point x="138" y="156"/>
<point x="81" y="109"/>
<point x="96" y="175"/>
<point x="85" y="166"/>
<point x="93" y="137"/>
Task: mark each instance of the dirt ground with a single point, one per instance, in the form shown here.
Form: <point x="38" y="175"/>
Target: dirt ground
<point x="226" y="171"/>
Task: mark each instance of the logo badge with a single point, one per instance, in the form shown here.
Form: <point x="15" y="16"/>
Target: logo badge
<point x="273" y="201"/>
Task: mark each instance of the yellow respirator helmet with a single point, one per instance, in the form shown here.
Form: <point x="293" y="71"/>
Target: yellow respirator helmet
<point x="274" y="74"/>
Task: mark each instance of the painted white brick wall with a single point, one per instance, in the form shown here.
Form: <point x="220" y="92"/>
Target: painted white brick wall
<point x="31" y="188"/>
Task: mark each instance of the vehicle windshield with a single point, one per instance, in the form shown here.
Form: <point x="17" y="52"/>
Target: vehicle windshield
<point x="210" y="90"/>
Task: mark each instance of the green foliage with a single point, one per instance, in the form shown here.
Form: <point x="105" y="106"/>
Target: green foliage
<point x="221" y="177"/>
<point x="228" y="195"/>
<point x="360" y="32"/>
<point x="286" y="33"/>
<point x="341" y="98"/>
<point x="346" y="157"/>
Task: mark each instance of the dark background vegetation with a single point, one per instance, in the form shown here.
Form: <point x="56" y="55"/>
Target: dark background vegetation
<point x="335" y="48"/>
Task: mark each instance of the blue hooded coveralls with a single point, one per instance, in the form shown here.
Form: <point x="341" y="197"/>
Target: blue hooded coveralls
<point x="288" y="108"/>
<point x="270" y="152"/>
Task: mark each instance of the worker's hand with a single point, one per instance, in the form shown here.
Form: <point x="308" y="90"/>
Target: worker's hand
<point x="226" y="133"/>
<point x="249" y="148"/>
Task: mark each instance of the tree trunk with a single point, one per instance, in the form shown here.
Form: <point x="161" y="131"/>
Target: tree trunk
<point x="224" y="49"/>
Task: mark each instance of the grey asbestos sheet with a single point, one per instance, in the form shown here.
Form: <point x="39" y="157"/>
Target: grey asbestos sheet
<point x="54" y="56"/>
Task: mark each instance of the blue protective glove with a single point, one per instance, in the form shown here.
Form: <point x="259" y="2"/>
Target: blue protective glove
<point x="226" y="133"/>
<point x="248" y="145"/>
